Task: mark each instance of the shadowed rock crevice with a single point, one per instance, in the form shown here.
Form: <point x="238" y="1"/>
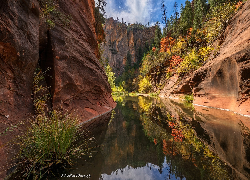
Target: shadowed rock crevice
<point x="46" y="62"/>
<point x="68" y="50"/>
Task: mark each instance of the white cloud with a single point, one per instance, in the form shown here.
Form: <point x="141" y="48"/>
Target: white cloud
<point x="135" y="11"/>
<point x="148" y="172"/>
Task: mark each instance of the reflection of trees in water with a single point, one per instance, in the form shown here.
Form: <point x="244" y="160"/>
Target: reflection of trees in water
<point x="185" y="152"/>
<point x="125" y="143"/>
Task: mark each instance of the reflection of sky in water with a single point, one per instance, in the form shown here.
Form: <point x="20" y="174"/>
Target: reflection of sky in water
<point x="148" y="172"/>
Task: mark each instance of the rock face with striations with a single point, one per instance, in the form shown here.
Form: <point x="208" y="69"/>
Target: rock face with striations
<point x="19" y="53"/>
<point x="78" y="82"/>
<point x="223" y="82"/>
<point x="121" y="39"/>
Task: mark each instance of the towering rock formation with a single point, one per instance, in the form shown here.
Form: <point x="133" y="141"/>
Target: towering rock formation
<point x="224" y="82"/>
<point x="78" y="82"/>
<point x="121" y="39"/>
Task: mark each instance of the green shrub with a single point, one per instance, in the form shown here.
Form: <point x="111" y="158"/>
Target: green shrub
<point x="51" y="138"/>
<point x="190" y="63"/>
<point x="188" y="98"/>
<point x="49" y="141"/>
<point x="145" y="85"/>
<point x="218" y="18"/>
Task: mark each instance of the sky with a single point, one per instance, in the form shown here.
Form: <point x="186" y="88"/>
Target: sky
<point x="141" y="11"/>
<point x="148" y="172"/>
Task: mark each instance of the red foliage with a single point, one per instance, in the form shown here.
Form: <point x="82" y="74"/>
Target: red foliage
<point x="238" y="5"/>
<point x="155" y="141"/>
<point x="177" y="134"/>
<point x="166" y="44"/>
<point x="171" y="124"/>
<point x="176" y="60"/>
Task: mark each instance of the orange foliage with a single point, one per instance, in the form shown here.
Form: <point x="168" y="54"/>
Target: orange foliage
<point x="153" y="49"/>
<point x="155" y="141"/>
<point x="189" y="32"/>
<point x="176" y="60"/>
<point x="177" y="134"/>
<point x="168" y="148"/>
<point x="166" y="44"/>
<point x="165" y="148"/>
<point x="238" y="5"/>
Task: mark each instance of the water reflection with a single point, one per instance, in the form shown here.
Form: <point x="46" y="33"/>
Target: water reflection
<point x="147" y="172"/>
<point x="150" y="138"/>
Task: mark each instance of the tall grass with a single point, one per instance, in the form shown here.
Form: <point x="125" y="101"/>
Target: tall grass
<point x="51" y="139"/>
<point x="48" y="142"/>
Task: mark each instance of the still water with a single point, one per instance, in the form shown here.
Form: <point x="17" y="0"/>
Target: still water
<point x="150" y="139"/>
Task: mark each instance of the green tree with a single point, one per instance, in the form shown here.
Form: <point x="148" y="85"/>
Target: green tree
<point x="164" y="13"/>
<point x="200" y="11"/>
<point x="186" y="19"/>
<point x="139" y="56"/>
<point x="175" y="21"/>
<point x="111" y="76"/>
<point x="158" y="35"/>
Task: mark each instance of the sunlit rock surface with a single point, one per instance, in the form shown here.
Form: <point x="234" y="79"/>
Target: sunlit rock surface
<point x="121" y="39"/>
<point x="224" y="81"/>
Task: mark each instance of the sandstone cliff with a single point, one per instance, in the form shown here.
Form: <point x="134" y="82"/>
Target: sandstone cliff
<point x="121" y="39"/>
<point x="224" y="81"/>
<point x="78" y="82"/>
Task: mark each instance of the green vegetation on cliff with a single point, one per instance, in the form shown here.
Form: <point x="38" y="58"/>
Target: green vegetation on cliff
<point x="187" y="43"/>
<point x="50" y="140"/>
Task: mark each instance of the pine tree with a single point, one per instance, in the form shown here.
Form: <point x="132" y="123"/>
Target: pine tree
<point x="170" y="24"/>
<point x="164" y="13"/>
<point x="158" y="35"/>
<point x="200" y="11"/>
<point x="175" y="20"/>
<point x="186" y="19"/>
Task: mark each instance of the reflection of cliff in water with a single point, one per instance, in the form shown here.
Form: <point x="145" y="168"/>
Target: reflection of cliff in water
<point x="126" y="143"/>
<point x="158" y="139"/>
<point x="211" y="142"/>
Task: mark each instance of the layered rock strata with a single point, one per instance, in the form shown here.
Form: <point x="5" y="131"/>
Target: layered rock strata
<point x="121" y="39"/>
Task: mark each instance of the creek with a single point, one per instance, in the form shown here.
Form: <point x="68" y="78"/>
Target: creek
<point x="151" y="138"/>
